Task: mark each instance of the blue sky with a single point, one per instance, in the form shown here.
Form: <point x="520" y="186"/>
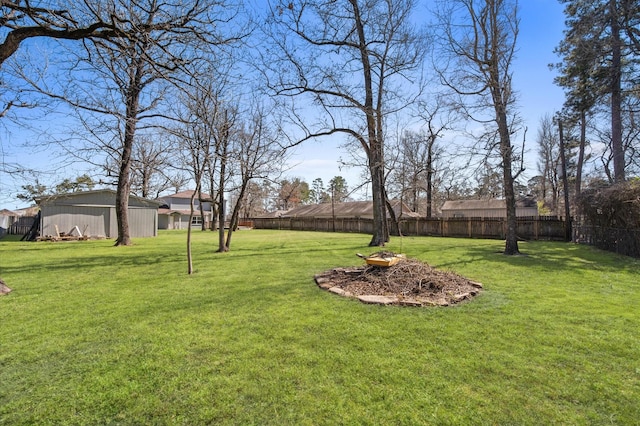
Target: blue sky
<point x="541" y="26"/>
<point x="542" y="23"/>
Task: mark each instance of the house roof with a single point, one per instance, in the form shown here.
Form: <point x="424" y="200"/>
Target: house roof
<point x="348" y="209"/>
<point x="473" y="204"/>
<point x="269" y="215"/>
<point x="162" y="210"/>
<point x="5" y="212"/>
<point x="187" y="194"/>
<point x="489" y="204"/>
<point x="28" y="211"/>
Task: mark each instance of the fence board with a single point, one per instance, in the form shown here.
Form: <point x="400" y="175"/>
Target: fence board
<point x="529" y="228"/>
<point x="21" y="226"/>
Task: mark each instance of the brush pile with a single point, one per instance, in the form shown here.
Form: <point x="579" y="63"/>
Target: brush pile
<point x="409" y="282"/>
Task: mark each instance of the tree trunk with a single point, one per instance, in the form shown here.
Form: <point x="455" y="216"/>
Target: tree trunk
<point x="221" y="207"/>
<point x="221" y="213"/>
<point x="124" y="184"/>
<point x="122" y="202"/>
<point x="214" y="214"/>
<point x="616" y="96"/>
<point x="233" y="221"/>
<point x="430" y="179"/>
<point x="583" y="142"/>
<point x="203" y="224"/>
<point x="511" y="243"/>
<point x="124" y="176"/>
<point x="214" y="209"/>
<point x="380" y="225"/>
<point x="191" y="214"/>
<point x="374" y="149"/>
<point x="565" y="186"/>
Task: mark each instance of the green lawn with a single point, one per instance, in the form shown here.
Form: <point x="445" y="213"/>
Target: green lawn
<point x="95" y="334"/>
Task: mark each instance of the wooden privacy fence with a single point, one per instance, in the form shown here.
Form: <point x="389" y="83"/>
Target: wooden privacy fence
<point x="21" y="226"/>
<point x="529" y="228"/>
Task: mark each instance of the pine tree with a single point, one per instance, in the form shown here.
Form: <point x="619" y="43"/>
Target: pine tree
<point x="600" y="48"/>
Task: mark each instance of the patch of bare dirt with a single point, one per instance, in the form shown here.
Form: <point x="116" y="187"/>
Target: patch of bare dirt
<point x="409" y="282"/>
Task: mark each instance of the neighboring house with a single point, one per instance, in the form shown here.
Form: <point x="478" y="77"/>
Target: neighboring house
<point x="7" y="218"/>
<point x="353" y="209"/>
<point x="94" y="213"/>
<point x="19" y="221"/>
<point x="175" y="210"/>
<point x="493" y="208"/>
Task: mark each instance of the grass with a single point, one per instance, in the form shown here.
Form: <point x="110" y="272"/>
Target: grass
<point x="95" y="334"/>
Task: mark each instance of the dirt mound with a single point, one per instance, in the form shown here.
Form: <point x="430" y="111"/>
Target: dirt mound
<point x="4" y="289"/>
<point x="409" y="282"/>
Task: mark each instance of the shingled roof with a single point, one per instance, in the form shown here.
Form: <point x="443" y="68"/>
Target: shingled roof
<point x="187" y="194"/>
<point x="525" y="206"/>
<point x="352" y="209"/>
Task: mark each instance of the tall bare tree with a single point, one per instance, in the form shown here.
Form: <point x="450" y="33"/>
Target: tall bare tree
<point x="21" y="20"/>
<point x="256" y="156"/>
<point x="156" y="43"/>
<point x="195" y="146"/>
<point x="436" y="118"/>
<point x="479" y="40"/>
<point x="413" y="172"/>
<point x="203" y="136"/>
<point x="548" y="163"/>
<point x="351" y="59"/>
<point x="152" y="168"/>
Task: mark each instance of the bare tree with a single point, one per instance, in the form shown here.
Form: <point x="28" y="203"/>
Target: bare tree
<point x="436" y="118"/>
<point x="548" y="163"/>
<point x="349" y="58"/>
<point x="203" y="130"/>
<point x="21" y="20"/>
<point x="195" y="147"/>
<point x="152" y="169"/>
<point x="224" y="139"/>
<point x="157" y="43"/>
<point x="479" y="39"/>
<point x="256" y="156"/>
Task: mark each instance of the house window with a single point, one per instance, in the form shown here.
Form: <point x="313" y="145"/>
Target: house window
<point x="196" y="221"/>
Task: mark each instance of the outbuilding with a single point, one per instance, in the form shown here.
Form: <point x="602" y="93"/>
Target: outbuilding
<point x="94" y="214"/>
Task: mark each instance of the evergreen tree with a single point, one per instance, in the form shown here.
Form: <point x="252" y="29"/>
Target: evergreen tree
<point x="599" y="53"/>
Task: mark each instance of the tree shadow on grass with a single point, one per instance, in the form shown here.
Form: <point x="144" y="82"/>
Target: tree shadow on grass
<point x="74" y="263"/>
<point x="548" y="257"/>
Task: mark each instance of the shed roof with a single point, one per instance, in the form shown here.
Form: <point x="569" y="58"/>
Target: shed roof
<point x="77" y="197"/>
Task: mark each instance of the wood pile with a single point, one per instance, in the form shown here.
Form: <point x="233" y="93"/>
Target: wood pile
<point x="73" y="235"/>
